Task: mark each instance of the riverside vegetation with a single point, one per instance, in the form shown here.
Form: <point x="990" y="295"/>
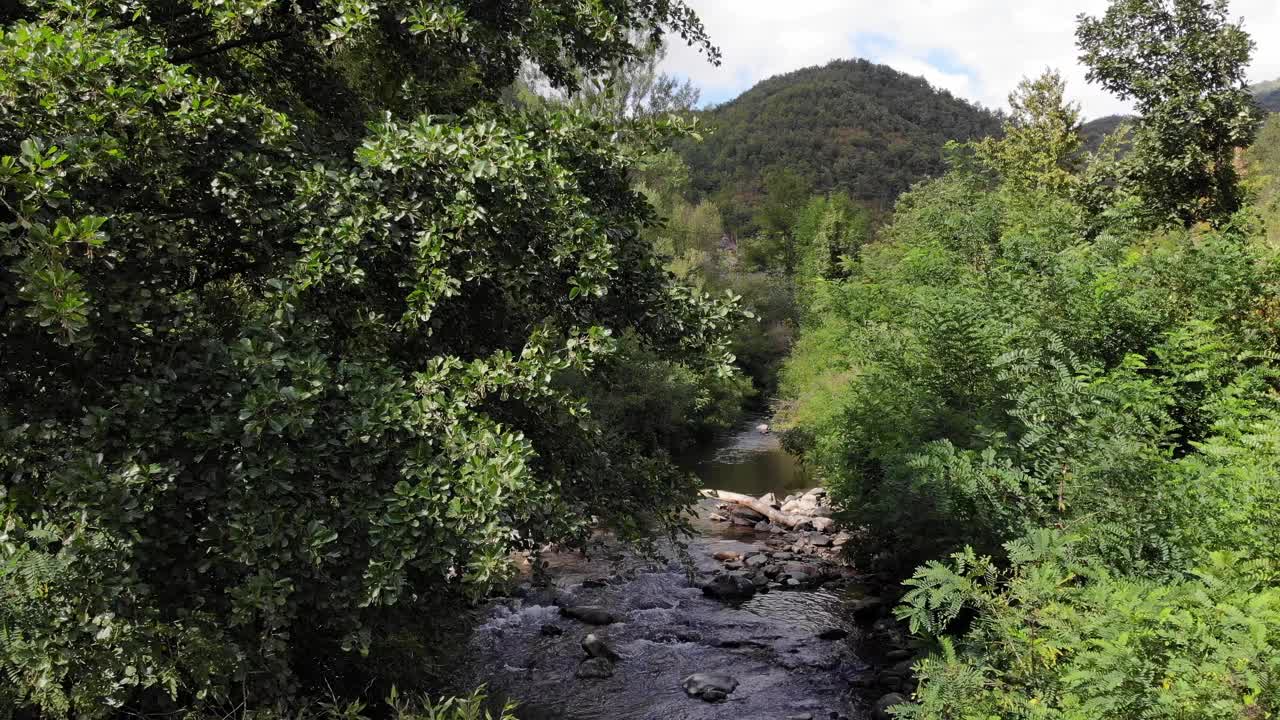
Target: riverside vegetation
<point x="306" y="328"/>
<point x="312" y="314"/>
<point x="1053" y="381"/>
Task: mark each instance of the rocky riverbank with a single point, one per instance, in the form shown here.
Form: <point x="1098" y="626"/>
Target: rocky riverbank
<point x="755" y="621"/>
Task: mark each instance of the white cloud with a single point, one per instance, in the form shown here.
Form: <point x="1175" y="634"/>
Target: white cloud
<point x="977" y="49"/>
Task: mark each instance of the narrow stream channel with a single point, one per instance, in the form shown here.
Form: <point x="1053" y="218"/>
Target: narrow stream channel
<point x="666" y="628"/>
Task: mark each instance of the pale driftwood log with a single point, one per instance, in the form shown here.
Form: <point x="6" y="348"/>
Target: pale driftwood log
<point x="777" y="517"/>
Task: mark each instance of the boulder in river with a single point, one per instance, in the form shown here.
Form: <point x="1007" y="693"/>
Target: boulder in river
<point x="763" y="428"/>
<point x="729" y="587"/>
<point x="595" y="669"/>
<point x="867" y="609"/>
<point x="881" y="709"/>
<point x="712" y="686"/>
<point x="833" y="633"/>
<point x="596" y="647"/>
<point x="589" y="614"/>
<point x="818" y="539"/>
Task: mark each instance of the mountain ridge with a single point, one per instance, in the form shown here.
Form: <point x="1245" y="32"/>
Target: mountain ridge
<point x="851" y="125"/>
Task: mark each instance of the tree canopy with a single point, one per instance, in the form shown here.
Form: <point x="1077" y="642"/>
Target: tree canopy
<point x="299" y="322"/>
<point x="850" y="126"/>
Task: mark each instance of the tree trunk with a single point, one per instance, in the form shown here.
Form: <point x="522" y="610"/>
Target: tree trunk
<point x="777" y="517"/>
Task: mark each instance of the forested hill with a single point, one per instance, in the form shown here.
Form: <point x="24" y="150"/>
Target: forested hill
<point x="850" y="125"/>
<point x="1268" y="95"/>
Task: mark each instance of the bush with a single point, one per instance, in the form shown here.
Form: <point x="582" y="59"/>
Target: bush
<point x="288" y="299"/>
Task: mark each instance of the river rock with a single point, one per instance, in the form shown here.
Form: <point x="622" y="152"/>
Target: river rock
<point x="763" y="428"/>
<point x="595" y="669"/>
<point x="833" y="633"/>
<point x="551" y="630"/>
<point x="763" y="526"/>
<point x="823" y="524"/>
<point x="589" y="614"/>
<point x="898" y="655"/>
<point x="757" y="560"/>
<point x="596" y="647"/>
<point x="746" y="513"/>
<point x="881" y="709"/>
<point x="717" y="517"/>
<point x="727" y="556"/>
<point x="818" y="539"/>
<point x="770" y="499"/>
<point x="798" y="571"/>
<point x="712" y="687"/>
<point x="867" y="609"/>
<point x="729" y="587"/>
<point x="840" y="539"/>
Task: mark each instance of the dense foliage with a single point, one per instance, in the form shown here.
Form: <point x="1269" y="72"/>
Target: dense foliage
<point x="1182" y="63"/>
<point x="851" y="126"/>
<point x="1064" y="399"/>
<point x="299" y="330"/>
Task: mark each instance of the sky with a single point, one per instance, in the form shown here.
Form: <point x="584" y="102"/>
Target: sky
<point x="977" y="49"/>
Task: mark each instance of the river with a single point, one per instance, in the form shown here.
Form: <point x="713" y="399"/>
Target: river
<point x="667" y="629"/>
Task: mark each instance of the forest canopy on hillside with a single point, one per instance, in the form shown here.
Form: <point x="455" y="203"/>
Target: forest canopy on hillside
<point x="851" y="126"/>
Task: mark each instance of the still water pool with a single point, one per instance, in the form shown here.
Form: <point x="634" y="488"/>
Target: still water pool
<point x="745" y="460"/>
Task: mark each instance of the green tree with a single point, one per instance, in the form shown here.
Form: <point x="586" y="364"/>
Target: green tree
<point x="291" y="307"/>
<point x="773" y="246"/>
<point x="1040" y="150"/>
<point x="633" y="87"/>
<point x="1183" y="64"/>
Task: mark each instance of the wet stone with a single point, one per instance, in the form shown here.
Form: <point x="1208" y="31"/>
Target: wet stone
<point x="595" y="669"/>
<point x="711" y="687"/>
<point x="551" y="630"/>
<point x="881" y="709"/>
<point x="596" y="647"/>
<point x="867" y="609"/>
<point x="818" y="539"/>
<point x="589" y="614"/>
<point x="729" y="587"/>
